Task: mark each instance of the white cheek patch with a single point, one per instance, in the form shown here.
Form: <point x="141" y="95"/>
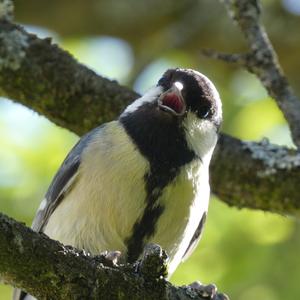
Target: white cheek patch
<point x="150" y="96"/>
<point x="201" y="136"/>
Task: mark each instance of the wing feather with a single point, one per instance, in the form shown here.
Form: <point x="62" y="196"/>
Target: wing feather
<point x="62" y="182"/>
<point x="195" y="239"/>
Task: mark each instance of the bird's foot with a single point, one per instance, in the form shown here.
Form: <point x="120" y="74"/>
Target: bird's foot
<point x="153" y="262"/>
<point x="112" y="257"/>
<point x="207" y="291"/>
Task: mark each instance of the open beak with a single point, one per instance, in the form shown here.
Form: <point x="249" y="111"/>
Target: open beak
<point x="172" y="100"/>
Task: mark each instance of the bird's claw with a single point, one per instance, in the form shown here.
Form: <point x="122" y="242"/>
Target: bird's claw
<point x="113" y="257"/>
<point x="209" y="291"/>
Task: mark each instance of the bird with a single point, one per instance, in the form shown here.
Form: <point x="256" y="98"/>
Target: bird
<point x="143" y="178"/>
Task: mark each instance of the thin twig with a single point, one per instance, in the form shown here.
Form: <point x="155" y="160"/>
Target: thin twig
<point x="237" y="58"/>
<point x="263" y="62"/>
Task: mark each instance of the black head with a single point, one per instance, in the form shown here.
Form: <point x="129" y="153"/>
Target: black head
<point x="186" y="90"/>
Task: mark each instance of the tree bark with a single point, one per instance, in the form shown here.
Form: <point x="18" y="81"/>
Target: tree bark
<point x="49" y="270"/>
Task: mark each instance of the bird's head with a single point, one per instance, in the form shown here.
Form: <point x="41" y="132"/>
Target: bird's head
<point x="184" y="101"/>
<point x="187" y="92"/>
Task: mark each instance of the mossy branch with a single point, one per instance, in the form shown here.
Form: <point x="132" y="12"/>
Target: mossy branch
<point x="49" y="270"/>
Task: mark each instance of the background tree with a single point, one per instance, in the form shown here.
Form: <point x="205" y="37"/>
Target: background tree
<point x="246" y="253"/>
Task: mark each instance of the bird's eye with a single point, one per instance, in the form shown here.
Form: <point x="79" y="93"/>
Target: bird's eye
<point x="204" y="112"/>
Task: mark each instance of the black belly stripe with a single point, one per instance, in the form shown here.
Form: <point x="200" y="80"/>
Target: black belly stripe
<point x="161" y="140"/>
<point x="145" y="227"/>
<point x="143" y="230"/>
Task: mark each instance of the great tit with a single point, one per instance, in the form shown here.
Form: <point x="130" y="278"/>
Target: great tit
<point x="143" y="178"/>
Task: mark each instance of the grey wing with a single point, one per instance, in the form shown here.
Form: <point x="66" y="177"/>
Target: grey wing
<point x="196" y="237"/>
<point x="61" y="184"/>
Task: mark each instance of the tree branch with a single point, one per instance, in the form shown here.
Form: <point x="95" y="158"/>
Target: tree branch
<point x="262" y="61"/>
<point x="256" y="175"/>
<point x="48" y="80"/>
<point x="50" y="270"/>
